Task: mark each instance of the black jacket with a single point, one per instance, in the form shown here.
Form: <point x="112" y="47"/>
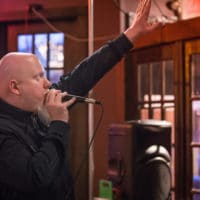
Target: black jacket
<point x="33" y="157"/>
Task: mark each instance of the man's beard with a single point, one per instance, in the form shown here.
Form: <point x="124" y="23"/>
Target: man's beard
<point x="43" y="115"/>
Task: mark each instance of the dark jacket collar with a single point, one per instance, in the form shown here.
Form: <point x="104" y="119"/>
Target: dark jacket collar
<point x="13" y="112"/>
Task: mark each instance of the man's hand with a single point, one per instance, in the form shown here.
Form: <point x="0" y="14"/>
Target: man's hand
<point x="140" y="25"/>
<point x="57" y="109"/>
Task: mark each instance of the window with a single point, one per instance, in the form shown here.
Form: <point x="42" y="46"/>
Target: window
<point x="192" y="79"/>
<point x="155" y="82"/>
<point x="156" y="97"/>
<point x="195" y="104"/>
<point x="49" y="48"/>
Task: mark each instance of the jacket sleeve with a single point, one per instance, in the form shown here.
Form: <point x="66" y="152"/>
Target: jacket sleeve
<point x="28" y="171"/>
<point x="91" y="70"/>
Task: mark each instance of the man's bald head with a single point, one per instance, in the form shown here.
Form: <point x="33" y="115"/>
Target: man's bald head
<point x="22" y="80"/>
<point x="14" y="65"/>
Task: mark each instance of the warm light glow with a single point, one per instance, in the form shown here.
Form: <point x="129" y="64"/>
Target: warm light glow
<point x="190" y="9"/>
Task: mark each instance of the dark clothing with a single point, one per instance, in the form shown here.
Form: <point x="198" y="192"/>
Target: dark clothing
<point x="33" y="157"/>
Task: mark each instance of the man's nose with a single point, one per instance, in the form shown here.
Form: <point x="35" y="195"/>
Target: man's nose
<point x="47" y="83"/>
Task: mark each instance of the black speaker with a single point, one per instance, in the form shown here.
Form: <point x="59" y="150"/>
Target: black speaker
<point x="139" y="160"/>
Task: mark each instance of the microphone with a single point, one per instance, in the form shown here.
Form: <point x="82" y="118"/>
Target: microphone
<point x="80" y="99"/>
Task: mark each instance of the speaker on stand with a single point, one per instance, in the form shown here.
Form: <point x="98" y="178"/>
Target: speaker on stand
<point x="139" y="159"/>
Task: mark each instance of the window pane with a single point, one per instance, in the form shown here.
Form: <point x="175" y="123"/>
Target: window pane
<point x="196" y="120"/>
<point x="169" y="98"/>
<point x="54" y="75"/>
<point x="156" y="97"/>
<point x="156" y="78"/>
<point x="40" y="48"/>
<point x="196" y="168"/>
<point x="169" y="116"/>
<point x="168" y="77"/>
<point x="144" y="113"/>
<point x="196" y="197"/>
<point x="24" y="43"/>
<point x="157" y="113"/>
<point x="56" y="49"/>
<point x="143" y="82"/>
<point x="195" y="63"/>
<point x="173" y="166"/>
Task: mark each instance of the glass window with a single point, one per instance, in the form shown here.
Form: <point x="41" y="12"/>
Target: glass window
<point x="196" y="168"/>
<point x="196" y="197"/>
<point x="157" y="113"/>
<point x="54" y="75"/>
<point x="196" y="120"/>
<point x="173" y="166"/>
<point x="156" y="98"/>
<point x="143" y="82"/>
<point x="49" y="48"/>
<point x="25" y="43"/>
<point x="195" y="108"/>
<point x="195" y="63"/>
<point x="144" y="113"/>
<point x="169" y="116"/>
<point x="168" y="78"/>
<point x="40" y="48"/>
<point x="156" y="80"/>
<point x="56" y="42"/>
<point x="155" y="89"/>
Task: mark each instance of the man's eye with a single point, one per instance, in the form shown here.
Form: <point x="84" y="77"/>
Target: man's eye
<point x="39" y="76"/>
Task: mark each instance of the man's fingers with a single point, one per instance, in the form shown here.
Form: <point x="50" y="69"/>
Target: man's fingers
<point x="139" y="7"/>
<point x="143" y="9"/>
<point x="49" y="95"/>
<point x="59" y="96"/>
<point x="146" y="9"/>
<point x="70" y="102"/>
<point x="54" y="96"/>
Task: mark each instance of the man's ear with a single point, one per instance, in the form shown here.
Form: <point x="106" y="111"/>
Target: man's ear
<point x="14" y="87"/>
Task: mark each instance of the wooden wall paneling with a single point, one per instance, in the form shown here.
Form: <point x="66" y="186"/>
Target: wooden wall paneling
<point x="3" y="39"/>
<point x="180" y="161"/>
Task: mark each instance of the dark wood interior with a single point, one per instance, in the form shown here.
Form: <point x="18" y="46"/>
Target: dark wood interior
<point x="118" y="89"/>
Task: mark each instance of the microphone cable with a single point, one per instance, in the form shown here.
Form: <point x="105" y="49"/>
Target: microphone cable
<point x="85" y="156"/>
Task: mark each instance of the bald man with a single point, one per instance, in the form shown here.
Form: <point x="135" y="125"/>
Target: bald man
<point x="34" y="125"/>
